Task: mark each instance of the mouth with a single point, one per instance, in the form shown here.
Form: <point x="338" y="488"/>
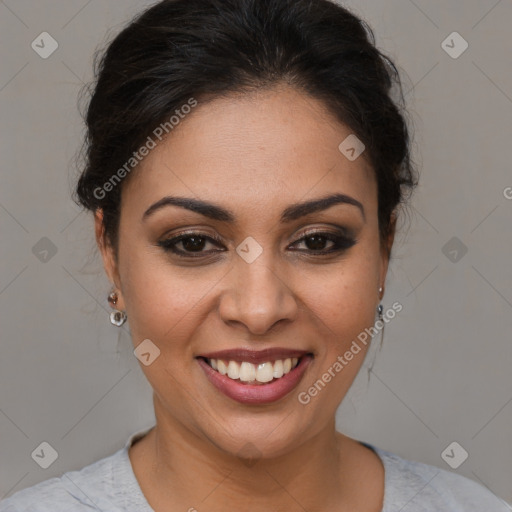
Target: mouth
<point x="255" y="377"/>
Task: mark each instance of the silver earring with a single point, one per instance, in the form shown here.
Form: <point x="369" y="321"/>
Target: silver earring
<point x="380" y="307"/>
<point x="117" y="317"/>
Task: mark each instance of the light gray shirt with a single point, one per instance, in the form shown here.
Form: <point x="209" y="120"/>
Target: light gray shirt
<point x="109" y="485"/>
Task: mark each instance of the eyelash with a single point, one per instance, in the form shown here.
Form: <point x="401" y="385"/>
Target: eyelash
<point x="341" y="243"/>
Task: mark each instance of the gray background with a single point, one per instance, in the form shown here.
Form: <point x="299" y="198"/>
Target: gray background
<point x="69" y="378"/>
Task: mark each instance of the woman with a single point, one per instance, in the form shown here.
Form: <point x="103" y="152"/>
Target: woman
<point x="246" y="168"/>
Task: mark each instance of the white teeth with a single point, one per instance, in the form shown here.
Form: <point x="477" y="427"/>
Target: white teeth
<point x="221" y="366"/>
<point x="265" y="372"/>
<point x="248" y="372"/>
<point x="233" y="370"/>
<point x="278" y="369"/>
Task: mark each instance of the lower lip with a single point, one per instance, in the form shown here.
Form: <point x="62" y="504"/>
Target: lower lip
<point x="259" y="393"/>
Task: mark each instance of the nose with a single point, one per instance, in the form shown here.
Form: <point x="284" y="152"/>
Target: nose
<point x="257" y="297"/>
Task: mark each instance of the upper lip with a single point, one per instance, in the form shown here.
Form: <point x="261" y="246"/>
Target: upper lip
<point x="255" y="356"/>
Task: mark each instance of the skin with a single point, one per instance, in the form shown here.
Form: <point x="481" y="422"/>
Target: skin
<point x="255" y="154"/>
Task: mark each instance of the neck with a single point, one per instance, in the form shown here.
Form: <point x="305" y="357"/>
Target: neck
<point x="190" y="471"/>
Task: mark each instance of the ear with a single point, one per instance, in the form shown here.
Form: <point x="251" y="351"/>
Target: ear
<point x="108" y="256"/>
<point x="386" y="248"/>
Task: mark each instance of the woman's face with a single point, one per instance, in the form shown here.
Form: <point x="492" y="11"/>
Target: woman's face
<point x="254" y="281"/>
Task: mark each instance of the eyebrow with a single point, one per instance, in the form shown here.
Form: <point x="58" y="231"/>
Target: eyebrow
<point x="219" y="213"/>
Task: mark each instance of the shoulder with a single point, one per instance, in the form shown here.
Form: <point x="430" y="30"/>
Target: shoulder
<point x="417" y="487"/>
<point x="107" y="485"/>
<point x="74" y="490"/>
<point x="94" y="487"/>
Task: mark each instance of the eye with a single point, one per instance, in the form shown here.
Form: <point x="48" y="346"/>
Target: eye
<point x="316" y="242"/>
<point x="193" y="244"/>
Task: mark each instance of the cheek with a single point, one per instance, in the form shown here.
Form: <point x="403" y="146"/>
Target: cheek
<point x="345" y="296"/>
<point x="342" y="307"/>
<point x="162" y="304"/>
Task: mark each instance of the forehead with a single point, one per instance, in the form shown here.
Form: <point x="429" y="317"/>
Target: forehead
<point x="253" y="150"/>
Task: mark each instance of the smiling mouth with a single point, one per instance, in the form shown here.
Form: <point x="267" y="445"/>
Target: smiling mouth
<point x="249" y="373"/>
<point x="255" y="377"/>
